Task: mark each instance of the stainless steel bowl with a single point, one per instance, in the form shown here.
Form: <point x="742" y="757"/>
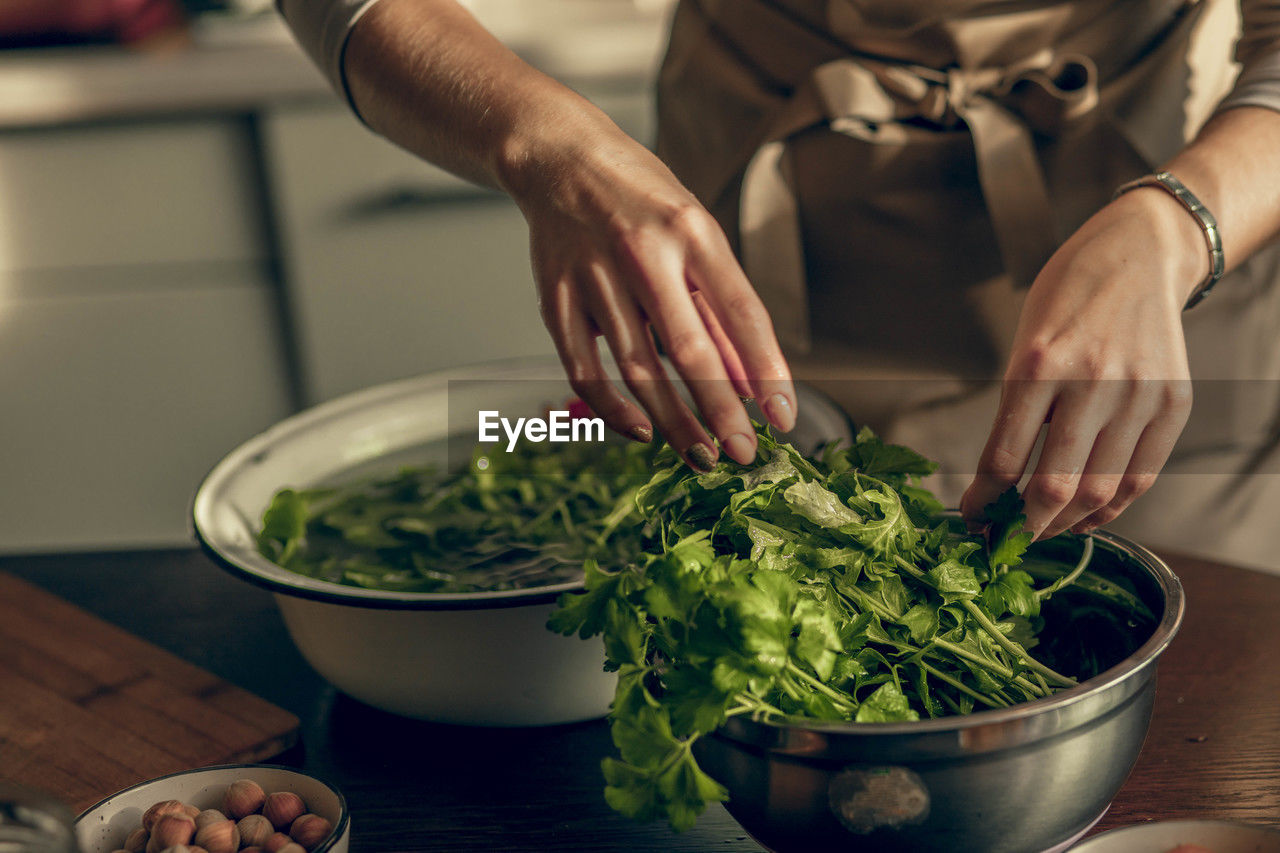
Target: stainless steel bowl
<point x="1025" y="779"/>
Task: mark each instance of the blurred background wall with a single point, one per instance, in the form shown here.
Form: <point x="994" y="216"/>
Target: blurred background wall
<point x="197" y="239"/>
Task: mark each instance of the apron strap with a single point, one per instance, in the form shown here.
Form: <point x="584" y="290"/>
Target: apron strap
<point x="868" y="99"/>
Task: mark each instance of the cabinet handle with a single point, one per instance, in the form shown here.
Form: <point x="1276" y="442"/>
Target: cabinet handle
<point x="406" y="198"/>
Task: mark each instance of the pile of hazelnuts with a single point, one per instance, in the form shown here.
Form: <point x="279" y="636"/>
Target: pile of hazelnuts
<point x="251" y="821"/>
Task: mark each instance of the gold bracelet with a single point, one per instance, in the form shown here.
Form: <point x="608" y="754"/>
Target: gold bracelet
<point x="1209" y="225"/>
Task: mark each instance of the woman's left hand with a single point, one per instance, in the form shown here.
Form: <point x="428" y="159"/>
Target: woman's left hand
<point x="1099" y="356"/>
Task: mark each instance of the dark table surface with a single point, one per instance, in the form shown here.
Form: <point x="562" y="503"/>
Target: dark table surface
<point x="1213" y="751"/>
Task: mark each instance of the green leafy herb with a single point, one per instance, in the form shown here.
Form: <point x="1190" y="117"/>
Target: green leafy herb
<point x="509" y="520"/>
<point x="806" y="589"/>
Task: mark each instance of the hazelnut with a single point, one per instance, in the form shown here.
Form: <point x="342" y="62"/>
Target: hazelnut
<point x="243" y="797"/>
<point x="292" y="847"/>
<point x="162" y="808"/>
<point x="275" y="842"/>
<point x="207" y="817"/>
<point x="219" y="837"/>
<point x="309" y="830"/>
<point x="254" y="830"/>
<point x="251" y="850"/>
<point x="177" y="848"/>
<point x="137" y="841"/>
<point x="171" y="830"/>
<point x="282" y="808"/>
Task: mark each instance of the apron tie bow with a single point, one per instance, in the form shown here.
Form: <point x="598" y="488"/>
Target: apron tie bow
<point x="871" y="99"/>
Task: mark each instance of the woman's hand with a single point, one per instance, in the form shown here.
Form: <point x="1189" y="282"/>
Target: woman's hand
<point x="1099" y="356"/>
<point x="621" y="249"/>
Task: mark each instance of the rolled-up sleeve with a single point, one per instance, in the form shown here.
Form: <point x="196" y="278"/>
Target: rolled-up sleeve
<point x="1258" y="52"/>
<point x="322" y="27"/>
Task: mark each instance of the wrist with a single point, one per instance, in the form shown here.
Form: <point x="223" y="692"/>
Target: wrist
<point x="538" y="154"/>
<point x="1176" y="238"/>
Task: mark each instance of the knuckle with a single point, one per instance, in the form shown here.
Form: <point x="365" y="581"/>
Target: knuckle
<point x="1038" y="361"/>
<point x="1052" y="489"/>
<point x="1094" y="493"/>
<point x="1133" y="486"/>
<point x="1002" y="466"/>
<point x="746" y="306"/>
<point x="688" y="350"/>
<point x="633" y="366"/>
<point x="689" y="219"/>
<point x="1176" y="397"/>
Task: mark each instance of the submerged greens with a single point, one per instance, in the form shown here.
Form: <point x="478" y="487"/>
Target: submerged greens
<point x="814" y="589"/>
<point x="507" y="521"/>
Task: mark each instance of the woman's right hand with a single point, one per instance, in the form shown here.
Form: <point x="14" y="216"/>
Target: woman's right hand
<point x="621" y="249"/>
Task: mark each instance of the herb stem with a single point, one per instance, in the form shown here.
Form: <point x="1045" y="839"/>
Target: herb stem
<point x="1086" y="554"/>
<point x="960" y="651"/>
<point x="826" y="690"/>
<point x="962" y="687"/>
<point x="1017" y="651"/>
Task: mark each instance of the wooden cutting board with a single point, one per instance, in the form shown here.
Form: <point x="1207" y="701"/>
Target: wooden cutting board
<point x="86" y="708"/>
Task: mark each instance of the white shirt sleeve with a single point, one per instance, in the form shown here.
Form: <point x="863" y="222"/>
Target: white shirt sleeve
<point x="1258" y="52"/>
<point x="322" y="27"/>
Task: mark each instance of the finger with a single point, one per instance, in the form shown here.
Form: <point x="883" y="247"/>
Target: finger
<point x="732" y="361"/>
<point x="1077" y="420"/>
<point x="1149" y="457"/>
<point x="572" y="332"/>
<point x="637" y="359"/>
<point x="1024" y="405"/>
<point x="1110" y="456"/>
<point x="715" y="273"/>
<point x="688" y="343"/>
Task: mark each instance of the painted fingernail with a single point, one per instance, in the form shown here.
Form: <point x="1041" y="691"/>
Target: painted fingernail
<point x="779" y="411"/>
<point x="701" y="457"/>
<point x="642" y="434"/>
<point x="738" y="446"/>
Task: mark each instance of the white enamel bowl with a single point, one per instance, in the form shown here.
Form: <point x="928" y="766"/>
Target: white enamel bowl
<point x="104" y="827"/>
<point x="465" y="658"/>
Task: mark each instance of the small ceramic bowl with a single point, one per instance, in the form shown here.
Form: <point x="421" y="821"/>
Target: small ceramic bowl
<point x="1220" y="836"/>
<point x="104" y="827"/>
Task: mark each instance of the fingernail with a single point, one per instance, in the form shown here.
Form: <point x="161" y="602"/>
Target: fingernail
<point x="642" y="434"/>
<point x="738" y="446"/>
<point x="701" y="457"/>
<point x="778" y="409"/>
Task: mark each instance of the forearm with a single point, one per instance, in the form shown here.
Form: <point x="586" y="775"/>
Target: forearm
<point x="1233" y="166"/>
<point x="429" y="77"/>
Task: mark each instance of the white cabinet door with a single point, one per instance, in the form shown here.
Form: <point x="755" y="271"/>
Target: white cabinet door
<point x="115" y="406"/>
<point x="394" y="267"/>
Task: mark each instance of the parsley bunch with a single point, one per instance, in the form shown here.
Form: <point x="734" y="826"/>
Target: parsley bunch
<point x="821" y="589"/>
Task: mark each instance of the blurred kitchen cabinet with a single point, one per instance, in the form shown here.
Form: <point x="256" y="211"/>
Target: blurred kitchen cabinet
<point x="394" y="267"/>
<point x="139" y="326"/>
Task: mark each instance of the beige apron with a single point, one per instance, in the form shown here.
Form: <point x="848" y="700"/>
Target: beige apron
<point x="880" y="164"/>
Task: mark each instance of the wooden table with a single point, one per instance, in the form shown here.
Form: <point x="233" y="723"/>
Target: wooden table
<point x="1213" y="750"/>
